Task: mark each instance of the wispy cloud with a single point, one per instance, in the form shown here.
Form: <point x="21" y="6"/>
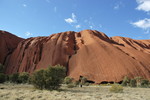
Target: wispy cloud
<point x="90" y="23"/>
<point x="143" y="5"/>
<point x="116" y="6"/>
<point x="28" y="34"/>
<point x="72" y="19"/>
<point x="78" y="26"/>
<point x="91" y="27"/>
<point x="24" y="5"/>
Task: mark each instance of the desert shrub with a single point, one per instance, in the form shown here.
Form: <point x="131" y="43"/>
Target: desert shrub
<point x="23" y="77"/>
<point x="2" y="78"/>
<point x="54" y="76"/>
<point x="116" y="88"/>
<point x="125" y="81"/>
<point x="14" y="78"/>
<point x="68" y="80"/>
<point x="1" y="68"/>
<point x="49" y="78"/>
<point x="145" y="83"/>
<point x="133" y="83"/>
<point x="38" y="79"/>
<point x="71" y="85"/>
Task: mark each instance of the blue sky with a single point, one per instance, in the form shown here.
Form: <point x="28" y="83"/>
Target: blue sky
<point x="31" y="18"/>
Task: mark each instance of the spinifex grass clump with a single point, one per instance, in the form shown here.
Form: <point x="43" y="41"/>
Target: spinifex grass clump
<point x="116" y="88"/>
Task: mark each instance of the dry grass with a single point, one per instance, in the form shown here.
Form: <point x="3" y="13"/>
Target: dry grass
<point x="27" y="92"/>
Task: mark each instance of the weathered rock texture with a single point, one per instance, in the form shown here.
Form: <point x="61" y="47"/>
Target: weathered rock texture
<point x="87" y="53"/>
<point x="8" y="42"/>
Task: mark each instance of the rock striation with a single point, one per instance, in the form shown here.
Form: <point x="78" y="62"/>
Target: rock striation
<point x="88" y="53"/>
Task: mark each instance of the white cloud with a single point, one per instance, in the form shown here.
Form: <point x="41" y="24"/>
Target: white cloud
<point x="24" y="5"/>
<point x="28" y="34"/>
<point x="116" y="7"/>
<point x="144" y="24"/>
<point x="78" y="26"/>
<point x="72" y="19"/>
<point x="143" y="5"/>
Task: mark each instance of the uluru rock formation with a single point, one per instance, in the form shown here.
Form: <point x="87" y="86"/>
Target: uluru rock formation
<point x="8" y="42"/>
<point x="88" y="53"/>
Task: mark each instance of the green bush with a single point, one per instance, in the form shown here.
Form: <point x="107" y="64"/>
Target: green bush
<point x="133" y="83"/>
<point x="68" y="80"/>
<point x="49" y="78"/>
<point x="116" y="88"/>
<point x="38" y="79"/>
<point x="125" y="81"/>
<point x="2" y="78"/>
<point x="23" y="77"/>
<point x="14" y="78"/>
<point x="54" y="76"/>
<point x="145" y="83"/>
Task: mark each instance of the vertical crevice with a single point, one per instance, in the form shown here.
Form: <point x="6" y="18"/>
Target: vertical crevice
<point x="75" y="51"/>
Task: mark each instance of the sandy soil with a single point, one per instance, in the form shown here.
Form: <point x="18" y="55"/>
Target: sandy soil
<point x="27" y="92"/>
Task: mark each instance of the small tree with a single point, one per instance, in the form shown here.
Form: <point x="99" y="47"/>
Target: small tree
<point x="2" y="78"/>
<point x="14" y="78"/>
<point x="125" y="81"/>
<point x="68" y="80"/>
<point x="23" y="77"/>
<point x="133" y="83"/>
<point x="54" y="76"/>
<point x="49" y="78"/>
<point x="38" y="79"/>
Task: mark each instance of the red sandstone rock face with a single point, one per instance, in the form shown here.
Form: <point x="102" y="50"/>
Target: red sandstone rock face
<point x="87" y="53"/>
<point x="8" y="42"/>
<point x="39" y="52"/>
